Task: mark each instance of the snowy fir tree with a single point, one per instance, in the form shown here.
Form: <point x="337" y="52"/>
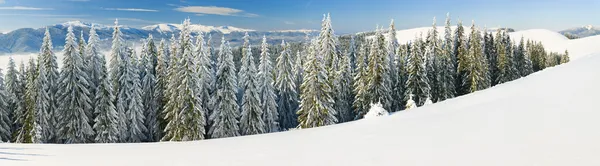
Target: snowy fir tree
<point x="523" y="63"/>
<point x="150" y="102"/>
<point x="42" y="106"/>
<point x="184" y="113"/>
<point x="316" y="100"/>
<point x="244" y="63"/>
<point x="14" y="95"/>
<point x="225" y="114"/>
<point x="116" y="54"/>
<point x="74" y="98"/>
<point x="378" y="78"/>
<point x="446" y="71"/>
<point x="162" y="80"/>
<point x="410" y="104"/>
<point x="47" y="58"/>
<point x="475" y="67"/>
<point x="459" y="58"/>
<point x="206" y="77"/>
<point x="267" y="89"/>
<point x="129" y="98"/>
<point x="328" y="46"/>
<point x="107" y="119"/>
<point x="432" y="53"/>
<point x="93" y="62"/>
<point x="5" y="122"/>
<point x="417" y="83"/>
<point x="287" y="101"/>
<point x="361" y="100"/>
<point x="503" y="58"/>
<point x="344" y="94"/>
<point x="491" y="54"/>
<point x="27" y="132"/>
<point x="391" y="50"/>
<point x="251" y="121"/>
<point x="428" y="102"/>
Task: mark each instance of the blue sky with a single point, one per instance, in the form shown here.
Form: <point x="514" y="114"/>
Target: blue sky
<point x="347" y="15"/>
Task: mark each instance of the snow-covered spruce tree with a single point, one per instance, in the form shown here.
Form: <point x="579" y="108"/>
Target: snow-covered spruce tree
<point x="316" y="105"/>
<point x="378" y="79"/>
<point x="184" y="112"/>
<point x="5" y="122"/>
<point x="251" y="121"/>
<point x="162" y="70"/>
<point x="48" y="60"/>
<point x="417" y="82"/>
<point x="93" y="62"/>
<point x="13" y="93"/>
<point x="376" y="110"/>
<point x="107" y="120"/>
<point x="401" y="65"/>
<point x="391" y="46"/>
<point x="328" y="46"/>
<point x="361" y="99"/>
<point x="446" y="68"/>
<point x="459" y="58"/>
<point x="27" y="132"/>
<point x="129" y="98"/>
<point x="42" y="106"/>
<point x="206" y="77"/>
<point x="267" y="89"/>
<point x="175" y="47"/>
<point x="74" y="98"/>
<point x="287" y="101"/>
<point x="344" y="93"/>
<point x="410" y="104"/>
<point x="244" y="63"/>
<point x="491" y="54"/>
<point x="19" y="100"/>
<point x="475" y="67"/>
<point x="513" y="74"/>
<point x="85" y="60"/>
<point x="116" y="54"/>
<point x="503" y="58"/>
<point x="432" y="61"/>
<point x="150" y="102"/>
<point x="521" y="59"/>
<point x="225" y="114"/>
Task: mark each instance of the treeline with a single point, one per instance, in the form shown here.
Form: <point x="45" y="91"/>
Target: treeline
<point x="187" y="89"/>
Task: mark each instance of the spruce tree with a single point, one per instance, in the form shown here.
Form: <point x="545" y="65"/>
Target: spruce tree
<point x="48" y="60"/>
<point x="251" y="121"/>
<point x="344" y="93"/>
<point x="447" y="88"/>
<point x="225" y="113"/>
<point x="267" y="89"/>
<point x="42" y="105"/>
<point x="316" y="101"/>
<point x="150" y="101"/>
<point x="475" y="66"/>
<point x="5" y="122"/>
<point x="28" y="131"/>
<point x="378" y="79"/>
<point x="74" y="99"/>
<point x="491" y="54"/>
<point x="459" y="58"/>
<point x="417" y="82"/>
<point x="391" y="46"/>
<point x="503" y="58"/>
<point x="432" y="62"/>
<point x="19" y="100"/>
<point x="361" y="99"/>
<point x="206" y="77"/>
<point x="244" y="63"/>
<point x="13" y="93"/>
<point x="129" y="98"/>
<point x="287" y="101"/>
<point x="521" y="59"/>
<point x="107" y="119"/>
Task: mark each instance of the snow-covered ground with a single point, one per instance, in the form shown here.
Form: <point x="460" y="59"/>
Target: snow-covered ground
<point x="547" y="118"/>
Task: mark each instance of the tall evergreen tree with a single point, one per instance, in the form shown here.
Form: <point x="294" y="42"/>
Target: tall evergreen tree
<point x="150" y="101"/>
<point x="459" y="58"/>
<point x="129" y="98"/>
<point x="13" y="95"/>
<point x="316" y="105"/>
<point x="42" y="105"/>
<point x="115" y="72"/>
<point x="344" y="93"/>
<point x="491" y="54"/>
<point x="287" y="101"/>
<point x="361" y="99"/>
<point x="251" y="121"/>
<point x="5" y="122"/>
<point x="74" y="98"/>
<point x="162" y="67"/>
<point x="417" y="82"/>
<point x="475" y="66"/>
<point x="391" y="50"/>
<point x="267" y="89"/>
<point x="107" y="119"/>
<point x="503" y="58"/>
<point x="447" y="88"/>
<point x="432" y="62"/>
<point x="206" y="77"/>
<point x="48" y="60"/>
<point x="28" y="133"/>
<point x="225" y="113"/>
<point x="378" y="79"/>
<point x="521" y="59"/>
<point x="244" y="63"/>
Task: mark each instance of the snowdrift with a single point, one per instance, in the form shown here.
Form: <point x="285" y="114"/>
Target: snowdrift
<point x="548" y="118"/>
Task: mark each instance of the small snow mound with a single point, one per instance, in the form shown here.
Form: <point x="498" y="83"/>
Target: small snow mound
<point x="376" y="110"/>
<point x="589" y="27"/>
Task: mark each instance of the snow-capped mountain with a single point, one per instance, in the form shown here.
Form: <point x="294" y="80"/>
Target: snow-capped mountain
<point x="581" y="32"/>
<point x="166" y="28"/>
<point x="29" y="40"/>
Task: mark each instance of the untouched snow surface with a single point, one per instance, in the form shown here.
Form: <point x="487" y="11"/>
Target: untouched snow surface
<point x="548" y="118"/>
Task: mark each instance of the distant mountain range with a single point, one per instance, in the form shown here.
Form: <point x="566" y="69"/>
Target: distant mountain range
<point x="581" y="32"/>
<point x="27" y="40"/>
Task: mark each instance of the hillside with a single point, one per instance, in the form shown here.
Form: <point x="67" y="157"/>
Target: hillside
<point x="535" y="120"/>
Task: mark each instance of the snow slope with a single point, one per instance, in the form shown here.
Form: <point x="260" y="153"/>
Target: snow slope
<point x="530" y="121"/>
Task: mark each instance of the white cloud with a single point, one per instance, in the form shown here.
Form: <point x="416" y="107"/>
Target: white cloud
<point x="132" y="9"/>
<point x="136" y="20"/>
<point x="1" y="1"/>
<point x="214" y="10"/>
<point x="42" y="15"/>
<point x="289" y="22"/>
<point x="23" y="8"/>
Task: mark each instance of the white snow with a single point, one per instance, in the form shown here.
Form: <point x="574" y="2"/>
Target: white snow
<point x="376" y="110"/>
<point x="548" y="118"/>
<point x="195" y="28"/>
